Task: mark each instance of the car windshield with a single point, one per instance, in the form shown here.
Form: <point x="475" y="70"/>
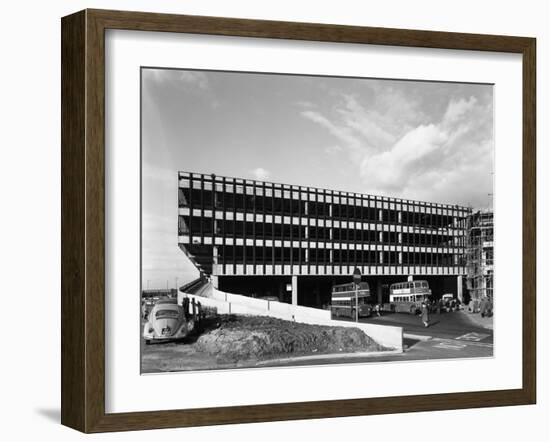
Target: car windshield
<point x="161" y="314"/>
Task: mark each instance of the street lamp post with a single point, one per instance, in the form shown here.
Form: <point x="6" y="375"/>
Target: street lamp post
<point x="357" y="281"/>
<point x="356" y="302"/>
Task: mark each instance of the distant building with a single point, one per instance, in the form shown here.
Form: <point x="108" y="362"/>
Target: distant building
<point x="479" y="255"/>
<point x="158" y="293"/>
<point x="266" y="239"/>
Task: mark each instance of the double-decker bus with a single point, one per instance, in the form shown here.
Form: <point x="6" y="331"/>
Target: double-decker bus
<point x="408" y="296"/>
<point x="343" y="300"/>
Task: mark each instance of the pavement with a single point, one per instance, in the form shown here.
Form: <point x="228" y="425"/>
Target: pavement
<point x="477" y="319"/>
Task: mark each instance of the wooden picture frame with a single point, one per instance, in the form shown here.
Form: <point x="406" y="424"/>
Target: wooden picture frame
<point x="83" y="220"/>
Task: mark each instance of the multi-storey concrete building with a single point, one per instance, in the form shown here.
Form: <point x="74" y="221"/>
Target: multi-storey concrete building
<point x="294" y="242"/>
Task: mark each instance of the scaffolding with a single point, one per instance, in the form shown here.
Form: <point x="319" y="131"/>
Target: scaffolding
<point x="479" y="255"/>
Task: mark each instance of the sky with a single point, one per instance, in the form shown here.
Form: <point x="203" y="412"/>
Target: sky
<point x="420" y="140"/>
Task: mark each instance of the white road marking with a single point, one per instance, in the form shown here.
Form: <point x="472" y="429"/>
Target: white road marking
<point x="450" y="345"/>
<point x="465" y="344"/>
<point x="475" y="337"/>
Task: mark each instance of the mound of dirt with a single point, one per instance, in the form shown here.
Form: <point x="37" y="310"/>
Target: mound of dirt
<point x="238" y="337"/>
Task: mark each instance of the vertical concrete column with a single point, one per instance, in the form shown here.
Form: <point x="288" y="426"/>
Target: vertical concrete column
<point x="379" y="292"/>
<point x="459" y="288"/>
<point x="294" y="290"/>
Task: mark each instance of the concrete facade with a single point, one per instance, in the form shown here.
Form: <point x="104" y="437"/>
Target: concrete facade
<point x="263" y="238"/>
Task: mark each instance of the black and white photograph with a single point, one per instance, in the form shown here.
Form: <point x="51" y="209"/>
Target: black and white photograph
<point x="295" y="220"/>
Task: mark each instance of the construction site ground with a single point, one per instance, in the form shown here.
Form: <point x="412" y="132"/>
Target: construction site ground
<point x="232" y="341"/>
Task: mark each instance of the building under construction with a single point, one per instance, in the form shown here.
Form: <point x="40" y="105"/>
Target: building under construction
<point x="479" y="255"/>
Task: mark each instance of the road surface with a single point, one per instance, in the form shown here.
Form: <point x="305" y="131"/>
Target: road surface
<point x="450" y="335"/>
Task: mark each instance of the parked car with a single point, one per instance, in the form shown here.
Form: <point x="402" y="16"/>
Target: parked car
<point x="166" y="322"/>
<point x="449" y="302"/>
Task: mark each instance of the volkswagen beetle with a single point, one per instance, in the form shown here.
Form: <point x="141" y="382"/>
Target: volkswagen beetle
<point x="166" y="322"/>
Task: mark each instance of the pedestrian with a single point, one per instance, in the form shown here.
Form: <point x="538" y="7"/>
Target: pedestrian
<point x="439" y="304"/>
<point x="483" y="307"/>
<point x="199" y="315"/>
<point x="489" y="307"/>
<point x="144" y="310"/>
<point x="377" y="309"/>
<point x="185" y="305"/>
<point x="425" y="315"/>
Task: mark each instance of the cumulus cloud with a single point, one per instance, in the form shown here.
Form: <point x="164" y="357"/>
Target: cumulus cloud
<point x="261" y="174"/>
<point x="403" y="153"/>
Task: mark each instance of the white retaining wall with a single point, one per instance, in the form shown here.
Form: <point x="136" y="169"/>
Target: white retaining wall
<point x="239" y="303"/>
